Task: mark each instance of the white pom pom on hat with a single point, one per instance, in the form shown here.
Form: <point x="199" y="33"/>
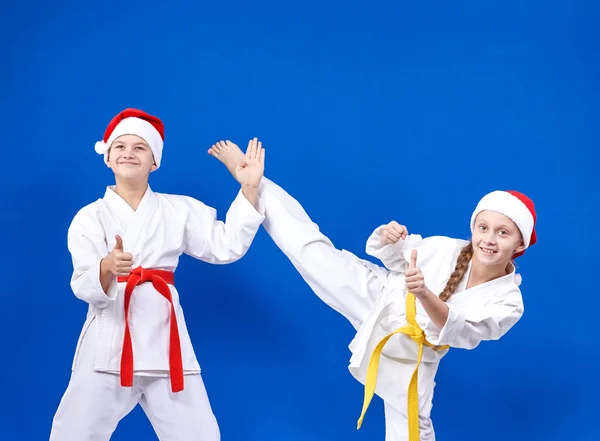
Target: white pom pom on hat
<point x="100" y="147"/>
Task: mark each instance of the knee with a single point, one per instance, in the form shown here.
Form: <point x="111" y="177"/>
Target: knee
<point x="206" y="429"/>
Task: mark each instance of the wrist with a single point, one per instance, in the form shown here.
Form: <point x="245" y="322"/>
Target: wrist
<point x="251" y="194"/>
<point x="423" y="293"/>
<point x="250" y="191"/>
<point x="105" y="266"/>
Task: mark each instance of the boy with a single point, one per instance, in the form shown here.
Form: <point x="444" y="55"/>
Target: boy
<point x="134" y="346"/>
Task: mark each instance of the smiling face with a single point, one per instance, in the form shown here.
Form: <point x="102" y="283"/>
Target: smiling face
<point x="495" y="239"/>
<point x="131" y="158"/>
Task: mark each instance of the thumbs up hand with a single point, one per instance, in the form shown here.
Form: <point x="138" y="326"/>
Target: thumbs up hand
<point x="118" y="262"/>
<point x="414" y="279"/>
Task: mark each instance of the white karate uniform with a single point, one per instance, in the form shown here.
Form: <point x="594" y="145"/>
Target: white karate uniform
<point x="161" y="229"/>
<point x="373" y="298"/>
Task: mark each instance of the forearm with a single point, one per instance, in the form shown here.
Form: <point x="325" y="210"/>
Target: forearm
<point x="436" y="309"/>
<point x="91" y="280"/>
<point x="219" y="242"/>
<point x="92" y="286"/>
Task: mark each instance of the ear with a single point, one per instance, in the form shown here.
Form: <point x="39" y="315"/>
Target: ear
<point x="153" y="168"/>
<point x="520" y="248"/>
<point x="108" y="157"/>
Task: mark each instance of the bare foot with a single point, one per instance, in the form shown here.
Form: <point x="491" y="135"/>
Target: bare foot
<point x="228" y="153"/>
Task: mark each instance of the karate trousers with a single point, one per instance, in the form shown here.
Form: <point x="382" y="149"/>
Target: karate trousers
<point x="95" y="402"/>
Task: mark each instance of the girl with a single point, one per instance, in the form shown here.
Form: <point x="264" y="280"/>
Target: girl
<point x="435" y="293"/>
<point x="134" y="346"/>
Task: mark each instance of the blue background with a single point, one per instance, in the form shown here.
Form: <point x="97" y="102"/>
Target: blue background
<point x="395" y="110"/>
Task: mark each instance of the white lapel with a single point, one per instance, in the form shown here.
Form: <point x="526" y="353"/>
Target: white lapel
<point x="132" y="222"/>
<point x="484" y="291"/>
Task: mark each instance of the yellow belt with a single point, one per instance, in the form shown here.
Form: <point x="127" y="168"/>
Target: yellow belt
<point x="416" y="333"/>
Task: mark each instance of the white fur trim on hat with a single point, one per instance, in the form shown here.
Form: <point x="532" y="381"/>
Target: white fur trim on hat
<point x="510" y="206"/>
<point x="138" y="127"/>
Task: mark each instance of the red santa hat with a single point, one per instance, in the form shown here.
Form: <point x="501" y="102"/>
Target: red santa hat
<point x="134" y="122"/>
<point x="514" y="205"/>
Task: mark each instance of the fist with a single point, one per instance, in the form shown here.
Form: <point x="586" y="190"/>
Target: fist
<point x="393" y="232"/>
<point x="414" y="279"/>
<point x="118" y="262"/>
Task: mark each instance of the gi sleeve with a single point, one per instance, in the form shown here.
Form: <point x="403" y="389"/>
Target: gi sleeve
<point x="87" y="245"/>
<point x="214" y="241"/>
<point x="466" y="327"/>
<point x="393" y="256"/>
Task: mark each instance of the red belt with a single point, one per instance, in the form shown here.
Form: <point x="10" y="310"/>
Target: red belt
<point x="160" y="280"/>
